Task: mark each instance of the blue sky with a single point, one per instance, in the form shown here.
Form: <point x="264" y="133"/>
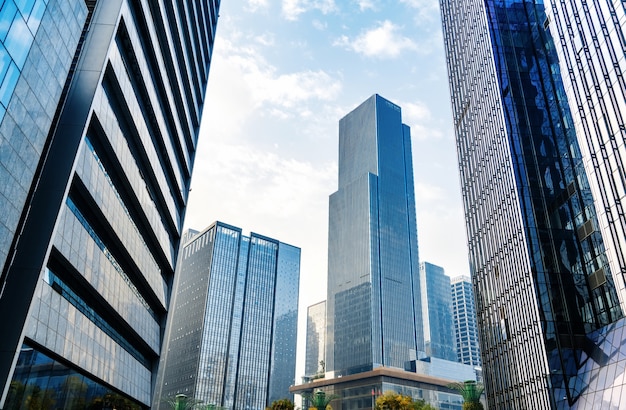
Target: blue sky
<point x="283" y="73"/>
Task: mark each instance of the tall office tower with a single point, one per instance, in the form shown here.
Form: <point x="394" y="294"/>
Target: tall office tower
<point x="439" y="339"/>
<point x="592" y="52"/>
<point x="100" y="110"/>
<point x="314" y="363"/>
<point x="465" y="328"/>
<point x="231" y="338"/>
<point x="544" y="288"/>
<point x="373" y="299"/>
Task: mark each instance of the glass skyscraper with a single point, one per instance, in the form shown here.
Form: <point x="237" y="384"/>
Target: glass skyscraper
<point x="231" y="337"/>
<point x="314" y="362"/>
<point x="373" y="299"/>
<point x="547" y="303"/>
<point x="99" y="114"/>
<point x="439" y="339"/>
<point x="591" y="44"/>
<point x="465" y="328"/>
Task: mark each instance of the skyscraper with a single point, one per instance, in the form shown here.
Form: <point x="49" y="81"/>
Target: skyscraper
<point x="439" y="339"/>
<point x="373" y="298"/>
<point x="100" y="110"/>
<point x="373" y="307"/>
<point x="314" y="363"/>
<point x="231" y="339"/>
<point x="546" y="297"/>
<point x="591" y="45"/>
<point x="465" y="328"/>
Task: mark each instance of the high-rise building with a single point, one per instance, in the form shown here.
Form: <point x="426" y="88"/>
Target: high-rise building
<point x="373" y="299"/>
<point x="465" y="328"/>
<point x="374" y="334"/>
<point x="547" y="303"/>
<point x="439" y="339"/>
<point x="591" y="45"/>
<point x="314" y="362"/>
<point x="231" y="338"/>
<point x="99" y="114"/>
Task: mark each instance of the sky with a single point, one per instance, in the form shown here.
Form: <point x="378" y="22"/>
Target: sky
<point x="283" y="73"/>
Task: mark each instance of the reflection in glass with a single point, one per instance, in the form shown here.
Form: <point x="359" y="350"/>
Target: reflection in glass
<point x="17" y="33"/>
<point x="47" y="384"/>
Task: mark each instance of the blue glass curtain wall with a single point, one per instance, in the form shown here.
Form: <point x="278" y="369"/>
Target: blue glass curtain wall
<point x="43" y="383"/>
<point x="575" y="288"/>
<point x="19" y="21"/>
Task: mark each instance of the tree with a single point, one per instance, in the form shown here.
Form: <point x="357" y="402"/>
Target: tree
<point x="282" y="404"/>
<point x="422" y="405"/>
<point x="182" y="402"/>
<point x="395" y="401"/>
<point x="471" y="392"/>
<point x="29" y="396"/>
<point x="320" y="400"/>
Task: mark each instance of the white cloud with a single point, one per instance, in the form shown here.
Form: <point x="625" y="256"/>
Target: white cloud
<point x="293" y="8"/>
<point x="425" y="132"/>
<point x="321" y="26"/>
<point x="263" y="192"/>
<point x="415" y="112"/>
<point x="425" y="193"/>
<point x="254" y="5"/>
<point x="440" y="229"/>
<point x="287" y="90"/>
<point x="382" y="42"/>
<point x="248" y="84"/>
<point x="366" y="4"/>
<point x="414" y="3"/>
<point x="265" y="85"/>
<point x="266" y="39"/>
<point x="418" y="116"/>
<point x="427" y="11"/>
<point x="263" y="184"/>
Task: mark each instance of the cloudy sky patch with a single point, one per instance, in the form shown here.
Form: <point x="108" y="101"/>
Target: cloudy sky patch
<point x="292" y="9"/>
<point x="382" y="41"/>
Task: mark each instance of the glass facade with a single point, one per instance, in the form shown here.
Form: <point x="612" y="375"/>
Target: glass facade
<point x="45" y="383"/>
<point x="231" y="336"/>
<point x="100" y="105"/>
<point x="540" y="272"/>
<point x="285" y="324"/>
<point x="314" y="362"/>
<point x="590" y="41"/>
<point x="33" y="67"/>
<point x="439" y="340"/>
<point x="465" y="327"/>
<point x="373" y="308"/>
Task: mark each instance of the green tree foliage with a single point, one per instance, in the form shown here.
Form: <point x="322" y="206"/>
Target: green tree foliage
<point x="113" y="401"/>
<point x="422" y="405"/>
<point x="395" y="401"/>
<point x="473" y="406"/>
<point x="29" y="397"/>
<point x="282" y="404"/>
<point x="37" y="398"/>
<point x="182" y="402"/>
<point x="320" y="400"/>
<point x="71" y="394"/>
<point x="471" y="392"/>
